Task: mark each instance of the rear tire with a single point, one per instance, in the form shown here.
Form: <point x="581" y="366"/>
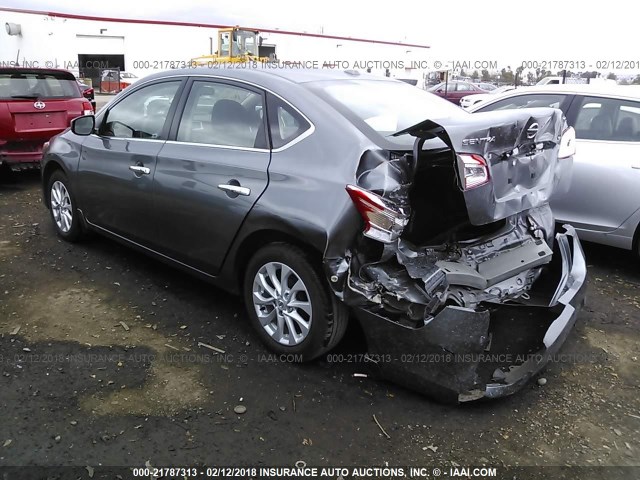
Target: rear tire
<point x="290" y="305"/>
<point x="63" y="208"/>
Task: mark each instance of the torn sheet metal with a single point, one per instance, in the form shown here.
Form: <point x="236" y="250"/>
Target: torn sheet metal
<point x="434" y="300"/>
<point x="462" y="354"/>
<point x="521" y="151"/>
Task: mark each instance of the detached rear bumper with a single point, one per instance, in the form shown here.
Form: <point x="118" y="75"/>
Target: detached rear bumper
<point x="463" y="355"/>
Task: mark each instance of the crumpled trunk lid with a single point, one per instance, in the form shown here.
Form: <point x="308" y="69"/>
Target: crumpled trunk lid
<point x="520" y="148"/>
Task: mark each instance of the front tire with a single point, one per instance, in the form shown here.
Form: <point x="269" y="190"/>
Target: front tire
<point x="63" y="208"/>
<point x="290" y="304"/>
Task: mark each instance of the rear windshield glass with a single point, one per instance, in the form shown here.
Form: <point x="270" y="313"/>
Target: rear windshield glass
<point x="36" y="85"/>
<point x="384" y="107"/>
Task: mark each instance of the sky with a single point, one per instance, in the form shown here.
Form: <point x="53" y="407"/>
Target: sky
<point x="507" y="32"/>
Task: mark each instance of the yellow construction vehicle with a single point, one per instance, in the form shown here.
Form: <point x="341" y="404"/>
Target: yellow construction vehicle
<point x="236" y="45"/>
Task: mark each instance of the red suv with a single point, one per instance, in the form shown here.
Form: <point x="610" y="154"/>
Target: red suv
<point x="35" y="105"/>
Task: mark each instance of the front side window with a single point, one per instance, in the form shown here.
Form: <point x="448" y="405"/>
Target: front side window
<point x="608" y="119"/>
<point x="142" y="114"/>
<point x="224" y="44"/>
<point x="223" y="114"/>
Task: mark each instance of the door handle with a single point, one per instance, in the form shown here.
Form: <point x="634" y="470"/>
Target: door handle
<point x="237" y="189"/>
<point x="140" y="169"/>
<point x="636" y="165"/>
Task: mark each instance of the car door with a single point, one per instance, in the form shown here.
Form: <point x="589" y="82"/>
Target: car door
<point x="461" y="89"/>
<point x="605" y="184"/>
<point x="211" y="171"/>
<point x="117" y="163"/>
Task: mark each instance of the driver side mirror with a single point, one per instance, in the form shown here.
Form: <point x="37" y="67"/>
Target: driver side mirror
<point x="84" y="125"/>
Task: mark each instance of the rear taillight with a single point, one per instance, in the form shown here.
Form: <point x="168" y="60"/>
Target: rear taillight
<point x="382" y="221"/>
<point x="473" y="170"/>
<point x="88" y="92"/>
<point x="87" y="109"/>
<point x="567" y="143"/>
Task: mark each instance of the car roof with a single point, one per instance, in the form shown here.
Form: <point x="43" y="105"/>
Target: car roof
<point x="602" y="89"/>
<point x="271" y="74"/>
<point x="36" y="71"/>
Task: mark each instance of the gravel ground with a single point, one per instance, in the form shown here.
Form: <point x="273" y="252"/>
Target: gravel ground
<point x="101" y="365"/>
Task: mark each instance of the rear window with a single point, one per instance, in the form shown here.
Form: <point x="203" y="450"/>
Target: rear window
<point x="16" y="85"/>
<point x="385" y="107"/>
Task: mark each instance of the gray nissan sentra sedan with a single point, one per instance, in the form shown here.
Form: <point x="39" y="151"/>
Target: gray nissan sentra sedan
<point x="320" y="194"/>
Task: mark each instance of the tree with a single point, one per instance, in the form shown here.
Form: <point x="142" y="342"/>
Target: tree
<point x="462" y="72"/>
<point x="506" y="75"/>
<point x="475" y="75"/>
<point x="531" y="78"/>
<point x="636" y="81"/>
<point x="612" y="76"/>
<point x="540" y="74"/>
<point x="593" y="74"/>
<point x="519" y="71"/>
<point x="485" y="75"/>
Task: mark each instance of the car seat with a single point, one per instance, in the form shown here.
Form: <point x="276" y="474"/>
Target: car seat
<point x="233" y="124"/>
<point x="601" y="127"/>
<point x="627" y="129"/>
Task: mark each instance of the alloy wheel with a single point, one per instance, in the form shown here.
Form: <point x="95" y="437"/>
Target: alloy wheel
<point x="282" y="303"/>
<point x="61" y="206"/>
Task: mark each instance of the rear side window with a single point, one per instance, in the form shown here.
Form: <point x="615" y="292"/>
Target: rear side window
<point x="35" y="85"/>
<point x="608" y="119"/>
<point x="285" y="123"/>
<point x="224" y="115"/>
<point x="526" y="101"/>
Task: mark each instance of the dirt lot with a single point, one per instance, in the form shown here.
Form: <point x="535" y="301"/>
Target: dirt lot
<point x="100" y="364"/>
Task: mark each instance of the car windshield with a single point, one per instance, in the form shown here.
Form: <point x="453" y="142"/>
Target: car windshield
<point x="385" y="106"/>
<point x="36" y="85"/>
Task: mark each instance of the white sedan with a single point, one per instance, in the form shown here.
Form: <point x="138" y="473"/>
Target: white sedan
<point x="471" y="100"/>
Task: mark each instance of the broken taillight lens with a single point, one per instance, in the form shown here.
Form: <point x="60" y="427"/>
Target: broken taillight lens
<point x="474" y="171"/>
<point x="567" y="143"/>
<point x="382" y="221"/>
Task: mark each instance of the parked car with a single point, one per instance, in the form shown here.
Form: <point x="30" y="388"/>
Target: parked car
<point x="88" y="93"/>
<point x="560" y="80"/>
<point x="489" y="87"/>
<point x="603" y="202"/>
<point x="474" y="99"/>
<point x="455" y="90"/>
<point x="114" y="81"/>
<point x="300" y="190"/>
<point x="35" y="104"/>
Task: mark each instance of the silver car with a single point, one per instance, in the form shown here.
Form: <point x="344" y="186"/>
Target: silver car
<point x="603" y="202"/>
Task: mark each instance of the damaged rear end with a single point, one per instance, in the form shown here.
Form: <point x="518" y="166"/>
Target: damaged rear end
<point x="462" y="287"/>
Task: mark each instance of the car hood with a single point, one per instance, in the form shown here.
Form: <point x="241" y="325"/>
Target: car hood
<point x="520" y="148"/>
<point x="476" y="96"/>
